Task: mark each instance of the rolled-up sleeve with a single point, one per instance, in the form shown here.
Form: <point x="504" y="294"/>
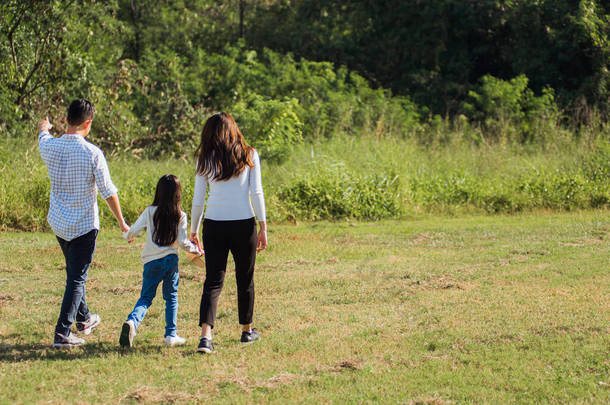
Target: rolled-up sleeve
<point x="102" y="176"/>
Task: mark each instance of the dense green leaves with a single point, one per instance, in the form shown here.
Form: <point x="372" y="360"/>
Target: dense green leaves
<point x="157" y="69"/>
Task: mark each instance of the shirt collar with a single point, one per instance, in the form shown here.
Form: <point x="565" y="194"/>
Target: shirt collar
<point x="72" y="136"/>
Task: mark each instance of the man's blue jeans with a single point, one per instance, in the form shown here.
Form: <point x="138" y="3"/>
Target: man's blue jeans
<point x="79" y="255"/>
<point x="163" y="270"/>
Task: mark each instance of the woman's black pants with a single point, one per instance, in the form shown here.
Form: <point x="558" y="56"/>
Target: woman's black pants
<point x="220" y="237"/>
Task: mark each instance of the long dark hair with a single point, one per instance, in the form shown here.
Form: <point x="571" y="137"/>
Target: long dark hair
<point x="223" y="152"/>
<point x="167" y="217"/>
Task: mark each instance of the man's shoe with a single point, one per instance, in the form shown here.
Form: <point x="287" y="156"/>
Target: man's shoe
<point x="127" y="333"/>
<point x="205" y="345"/>
<point x="249" y="337"/>
<point x="174" y="340"/>
<point x="67" y="341"/>
<point x="88" y="326"/>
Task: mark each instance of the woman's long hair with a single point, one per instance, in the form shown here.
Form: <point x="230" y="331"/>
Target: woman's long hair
<point x="167" y="217"/>
<point x="223" y="152"/>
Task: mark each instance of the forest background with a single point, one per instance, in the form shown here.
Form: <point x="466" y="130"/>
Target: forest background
<point x="360" y="109"/>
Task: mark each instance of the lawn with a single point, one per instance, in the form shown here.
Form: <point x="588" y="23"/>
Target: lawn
<point x="475" y="309"/>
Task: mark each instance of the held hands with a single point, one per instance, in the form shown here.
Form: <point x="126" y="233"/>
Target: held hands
<point x="45" y="125"/>
<point x="124" y="229"/>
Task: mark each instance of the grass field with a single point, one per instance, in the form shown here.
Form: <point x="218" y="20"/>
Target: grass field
<point x="483" y="309"/>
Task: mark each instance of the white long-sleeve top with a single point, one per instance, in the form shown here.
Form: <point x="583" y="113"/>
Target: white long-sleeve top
<point x="151" y="250"/>
<point x="230" y="199"/>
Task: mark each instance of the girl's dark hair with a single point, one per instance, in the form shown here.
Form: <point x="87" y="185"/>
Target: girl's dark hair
<point x="167" y="217"/>
<point x="223" y="152"/>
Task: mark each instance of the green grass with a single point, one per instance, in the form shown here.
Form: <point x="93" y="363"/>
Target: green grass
<point x="476" y="309"/>
<point x="354" y="177"/>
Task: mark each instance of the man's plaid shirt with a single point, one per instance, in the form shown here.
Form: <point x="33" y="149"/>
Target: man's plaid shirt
<point x="77" y="170"/>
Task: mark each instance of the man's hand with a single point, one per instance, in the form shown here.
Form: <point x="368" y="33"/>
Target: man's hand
<point x="45" y="125"/>
<point x="124" y="227"/>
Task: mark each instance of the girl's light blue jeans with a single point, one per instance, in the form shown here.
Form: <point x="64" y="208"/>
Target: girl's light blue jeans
<point x="160" y="270"/>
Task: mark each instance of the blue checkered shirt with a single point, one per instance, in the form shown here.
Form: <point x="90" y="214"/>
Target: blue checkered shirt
<point x="77" y="170"/>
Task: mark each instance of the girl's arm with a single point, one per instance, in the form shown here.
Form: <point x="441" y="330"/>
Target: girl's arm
<point x="183" y="240"/>
<point x="138" y="227"/>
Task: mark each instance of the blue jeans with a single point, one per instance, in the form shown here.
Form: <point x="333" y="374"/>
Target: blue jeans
<point x="78" y="253"/>
<point x="163" y="270"/>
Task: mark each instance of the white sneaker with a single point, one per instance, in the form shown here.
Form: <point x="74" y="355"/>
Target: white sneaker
<point x="174" y="340"/>
<point x="87" y="327"/>
<point x="67" y="341"/>
<point x="128" y="331"/>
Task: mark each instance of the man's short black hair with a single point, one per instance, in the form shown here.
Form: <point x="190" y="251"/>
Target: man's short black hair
<point x="80" y="111"/>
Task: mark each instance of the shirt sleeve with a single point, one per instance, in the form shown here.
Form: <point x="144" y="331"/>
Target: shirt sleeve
<point x="102" y="176"/>
<point x="201" y="188"/>
<point x="43" y="138"/>
<point x="138" y="227"/>
<point x="183" y="240"/>
<point x="256" y="188"/>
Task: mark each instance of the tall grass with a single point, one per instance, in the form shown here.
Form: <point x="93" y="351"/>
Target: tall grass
<point x="366" y="177"/>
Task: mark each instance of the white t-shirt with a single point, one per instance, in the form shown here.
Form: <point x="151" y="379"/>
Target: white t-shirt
<point x="151" y="250"/>
<point x="240" y="197"/>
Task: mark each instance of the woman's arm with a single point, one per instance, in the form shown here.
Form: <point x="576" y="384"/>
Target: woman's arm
<point x="256" y="188"/>
<point x="201" y="188"/>
<point x="258" y="200"/>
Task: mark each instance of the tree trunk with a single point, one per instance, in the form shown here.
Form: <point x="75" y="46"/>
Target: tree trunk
<point x="242" y="6"/>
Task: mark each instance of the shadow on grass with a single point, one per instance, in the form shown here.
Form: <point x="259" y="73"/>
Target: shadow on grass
<point x="14" y="353"/>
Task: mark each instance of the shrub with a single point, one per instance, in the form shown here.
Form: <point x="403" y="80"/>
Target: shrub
<point x="273" y="126"/>
<point x="334" y="193"/>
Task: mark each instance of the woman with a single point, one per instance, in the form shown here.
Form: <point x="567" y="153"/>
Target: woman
<point x="230" y="170"/>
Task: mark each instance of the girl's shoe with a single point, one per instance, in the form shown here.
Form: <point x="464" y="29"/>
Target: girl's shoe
<point x="174" y="340"/>
<point x="205" y="345"/>
<point x="127" y="334"/>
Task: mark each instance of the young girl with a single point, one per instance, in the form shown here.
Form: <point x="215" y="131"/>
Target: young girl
<point x="165" y="224"/>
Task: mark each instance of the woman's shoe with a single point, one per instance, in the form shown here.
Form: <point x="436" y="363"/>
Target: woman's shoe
<point x="249" y="337"/>
<point x="205" y="345"/>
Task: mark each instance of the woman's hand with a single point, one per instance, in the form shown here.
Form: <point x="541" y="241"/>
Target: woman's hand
<point x="261" y="242"/>
<point x="195" y="239"/>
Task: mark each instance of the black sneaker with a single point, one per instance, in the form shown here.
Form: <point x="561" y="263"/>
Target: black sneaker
<point x="205" y="345"/>
<point x="249" y="337"/>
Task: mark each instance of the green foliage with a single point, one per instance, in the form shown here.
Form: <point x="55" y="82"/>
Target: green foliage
<point x="498" y="104"/>
<point x="437" y="50"/>
<point x="334" y="193"/>
<point x="271" y="125"/>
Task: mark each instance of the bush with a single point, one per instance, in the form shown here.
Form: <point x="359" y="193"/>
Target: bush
<point x="273" y="126"/>
<point x="334" y="193"/>
<point x="501" y="106"/>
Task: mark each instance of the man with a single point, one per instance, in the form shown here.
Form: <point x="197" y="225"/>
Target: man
<point x="77" y="170"/>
